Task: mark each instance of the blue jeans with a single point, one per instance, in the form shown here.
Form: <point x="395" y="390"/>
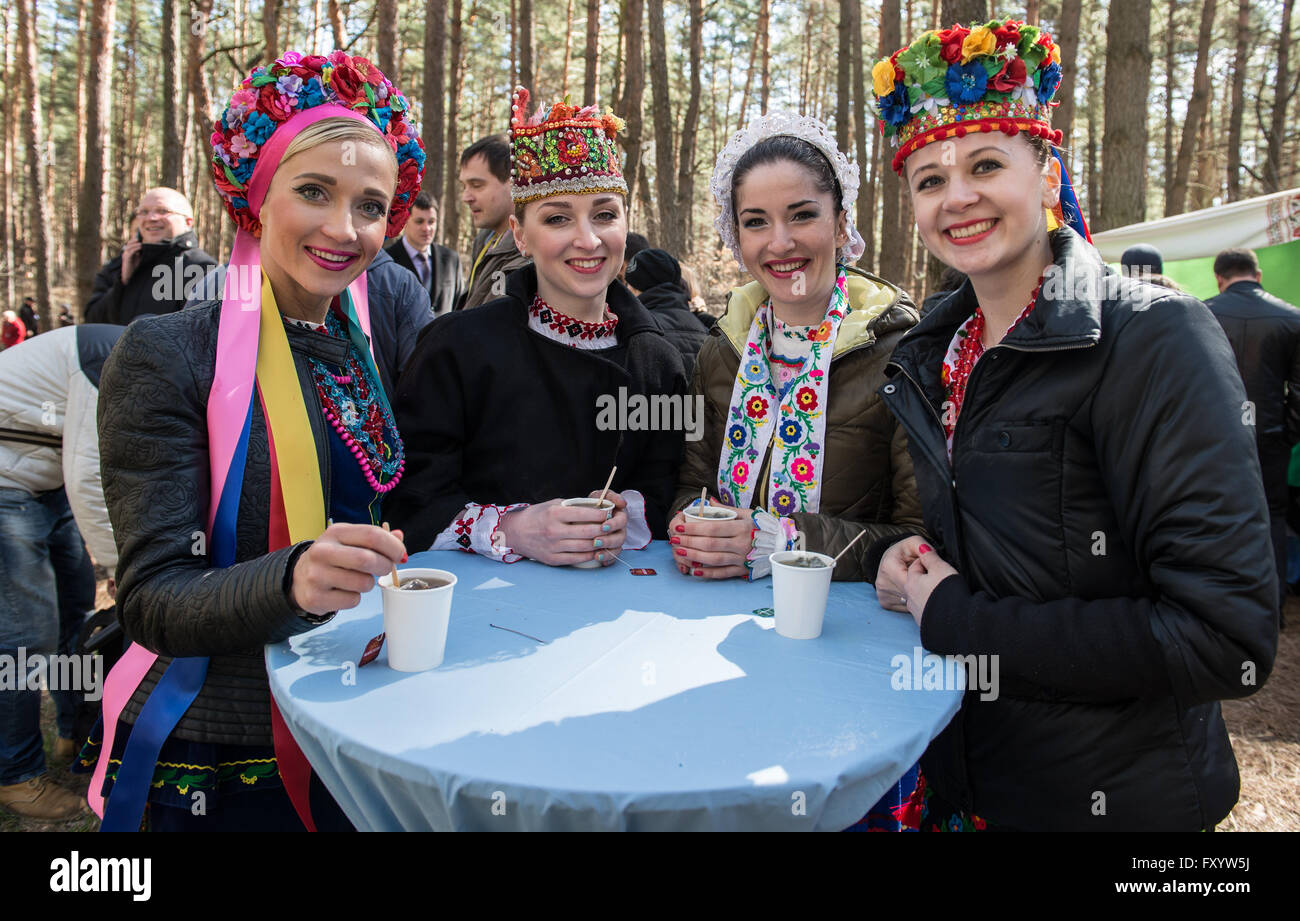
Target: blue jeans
<point x="47" y="587"/>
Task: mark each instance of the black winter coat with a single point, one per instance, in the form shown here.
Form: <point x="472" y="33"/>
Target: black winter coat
<point x="1105" y="514"/>
<point x="154" y="456"/>
<point x="492" y="412"/>
<point x="671" y="310"/>
<point x="158" y="285"/>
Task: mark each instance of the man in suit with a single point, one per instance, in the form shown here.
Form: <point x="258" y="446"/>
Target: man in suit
<point x="437" y="267"/>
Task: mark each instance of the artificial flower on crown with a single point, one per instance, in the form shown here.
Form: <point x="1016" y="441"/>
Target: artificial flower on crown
<point x="562" y="149"/>
<point x="999" y="76"/>
<point x="270" y="96"/>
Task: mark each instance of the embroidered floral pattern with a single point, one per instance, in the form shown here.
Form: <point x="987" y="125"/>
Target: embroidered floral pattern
<point x="760" y="415"/>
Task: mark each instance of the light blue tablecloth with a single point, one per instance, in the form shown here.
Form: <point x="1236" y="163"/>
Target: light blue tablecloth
<point x="658" y="702"/>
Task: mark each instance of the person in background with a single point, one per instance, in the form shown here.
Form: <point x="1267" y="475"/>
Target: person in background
<point x="12" y="330"/>
<point x="635" y="244"/>
<point x="485" y="190"/>
<point x="699" y="306"/>
<point x="437" y="266"/>
<point x="1096" y="525"/>
<point x="949" y="281"/>
<point x="27" y="313"/>
<point x="50" y="498"/>
<point x="1264" y="332"/>
<point x="656" y="279"/>
<point x="159" y="264"/>
<point x="1142" y="260"/>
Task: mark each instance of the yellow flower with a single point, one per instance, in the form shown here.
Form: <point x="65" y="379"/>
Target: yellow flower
<point x="248" y="780"/>
<point x="1056" y="55"/>
<point x="980" y="41"/>
<point x="183" y="790"/>
<point x="882" y="77"/>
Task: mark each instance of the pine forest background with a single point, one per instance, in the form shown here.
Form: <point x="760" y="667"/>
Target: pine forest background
<point x="1167" y="105"/>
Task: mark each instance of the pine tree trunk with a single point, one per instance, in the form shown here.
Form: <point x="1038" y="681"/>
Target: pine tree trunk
<point x="568" y="49"/>
<point x="171" y="131"/>
<point x="451" y="214"/>
<point x="843" y="73"/>
<point x="665" y="176"/>
<point x="1239" y="65"/>
<point x="526" y="76"/>
<point x="764" y="40"/>
<point x="99" y="87"/>
<point x="616" y="81"/>
<point x="960" y="12"/>
<point x="1284" y="88"/>
<point x="434" y="103"/>
<point x="31" y="120"/>
<point x="749" y="82"/>
<point x="632" y="96"/>
<point x="1196" y="109"/>
<point x="690" y="127"/>
<point x="1068" y="39"/>
<point x="7" y="163"/>
<point x="1031" y="12"/>
<point x="386" y="39"/>
<point x="1171" y="68"/>
<point x="591" y="73"/>
<point x="893" y="235"/>
<point x="1124" y="137"/>
<point x="336" y="23"/>
<point x="270" y="30"/>
<point x="862" y="125"/>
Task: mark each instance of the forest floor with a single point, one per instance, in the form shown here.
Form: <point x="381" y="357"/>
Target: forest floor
<point x="1265" y="732"/>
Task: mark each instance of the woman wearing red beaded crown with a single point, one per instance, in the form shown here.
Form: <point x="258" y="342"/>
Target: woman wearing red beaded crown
<point x="1099" y="528"/>
<point x="246" y="447"/>
<point x="501" y="406"/>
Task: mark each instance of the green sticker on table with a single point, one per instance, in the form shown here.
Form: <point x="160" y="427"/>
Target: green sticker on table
<point x="763" y="612"/>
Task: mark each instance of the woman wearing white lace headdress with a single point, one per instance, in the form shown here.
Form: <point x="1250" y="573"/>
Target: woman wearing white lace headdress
<point x="795" y="435"/>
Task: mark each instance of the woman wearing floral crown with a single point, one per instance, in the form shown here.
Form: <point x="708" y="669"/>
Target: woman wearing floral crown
<point x="246" y="447"/>
<point x="796" y="437"/>
<point x="1096" y="518"/>
<point x="500" y="407"/>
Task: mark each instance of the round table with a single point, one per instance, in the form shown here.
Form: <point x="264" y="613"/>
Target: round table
<point x="654" y="703"/>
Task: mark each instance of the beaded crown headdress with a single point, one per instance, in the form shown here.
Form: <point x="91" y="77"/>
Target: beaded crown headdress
<point x="561" y="150"/>
<point x="784" y="124"/>
<point x="1000" y="76"/>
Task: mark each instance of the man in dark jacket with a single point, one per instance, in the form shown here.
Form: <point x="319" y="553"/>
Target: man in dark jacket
<point x="156" y="268"/>
<point x="656" y="278"/>
<point x="1265" y="335"/>
<point x="399" y="309"/>
<point x="437" y="267"/>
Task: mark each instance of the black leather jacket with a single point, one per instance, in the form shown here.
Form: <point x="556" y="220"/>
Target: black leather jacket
<point x="1105" y="514"/>
<point x="154" y="456"/>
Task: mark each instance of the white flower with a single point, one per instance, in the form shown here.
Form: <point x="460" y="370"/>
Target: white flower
<point x="931" y="104"/>
<point x="1025" y="94"/>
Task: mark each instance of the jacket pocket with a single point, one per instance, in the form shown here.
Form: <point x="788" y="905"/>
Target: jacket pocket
<point x="1019" y="437"/>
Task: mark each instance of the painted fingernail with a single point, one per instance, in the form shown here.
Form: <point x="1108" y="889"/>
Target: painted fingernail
<point x="926" y="548"/>
<point x="697" y="572"/>
<point x="404" y="557"/>
<point x="680" y="529"/>
<point x="681" y="552"/>
<point x="597" y="543"/>
<point x="674" y="540"/>
<point x="604" y="527"/>
<point x="600" y="557"/>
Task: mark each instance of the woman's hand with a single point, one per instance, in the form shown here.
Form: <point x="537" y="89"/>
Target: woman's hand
<point x="562" y="535"/>
<point x="334" y="572"/>
<point x="926" y="571"/>
<point x="891" y="576"/>
<point x="712" y="549"/>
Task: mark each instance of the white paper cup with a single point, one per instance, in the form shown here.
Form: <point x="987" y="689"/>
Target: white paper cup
<point x="799" y="594"/>
<point x="709" y="513"/>
<point x="591" y="502"/>
<point x="415" y="622"/>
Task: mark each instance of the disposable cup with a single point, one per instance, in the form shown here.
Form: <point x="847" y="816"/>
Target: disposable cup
<point x="799" y="594"/>
<point x="415" y="621"/>
<point x="709" y="513"/>
<point x="591" y="502"/>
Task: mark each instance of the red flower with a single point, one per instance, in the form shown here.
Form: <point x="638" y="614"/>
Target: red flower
<point x="1010" y="77"/>
<point x="952" y="39"/>
<point x="978" y="822"/>
<point x="274" y="103"/>
<point x="806" y="398"/>
<point x="346" y="82"/>
<point x="1008" y="34"/>
<point x="802" y="469"/>
<point x="756" y="407"/>
<point x="223" y="181"/>
<point x="572" y="147"/>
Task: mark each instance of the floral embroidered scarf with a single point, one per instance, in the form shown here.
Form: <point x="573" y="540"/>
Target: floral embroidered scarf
<point x="795" y="414"/>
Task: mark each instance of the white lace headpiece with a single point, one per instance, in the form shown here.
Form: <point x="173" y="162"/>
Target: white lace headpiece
<point x="789" y="124"/>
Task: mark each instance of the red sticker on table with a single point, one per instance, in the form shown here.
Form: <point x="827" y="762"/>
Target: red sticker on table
<point x="644" y="572"/>
<point x="372" y="650"/>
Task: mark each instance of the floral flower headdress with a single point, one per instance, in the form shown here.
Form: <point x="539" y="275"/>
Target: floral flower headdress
<point x="1000" y="76"/>
<point x="562" y="150"/>
<point x="784" y="124"/>
<point x="269" y="97"/>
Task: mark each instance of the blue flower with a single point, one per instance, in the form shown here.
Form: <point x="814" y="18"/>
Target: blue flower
<point x="381" y="116"/>
<point x="791" y="432"/>
<point x="238" y="203"/>
<point x="312" y="93"/>
<point x="258" y="128"/>
<point x="755" y="372"/>
<point x="966" y="82"/>
<point x="737" y="435"/>
<point x="244" y="171"/>
<point x="410" y="150"/>
<point x="895" y="108"/>
<point x="1049" y="78"/>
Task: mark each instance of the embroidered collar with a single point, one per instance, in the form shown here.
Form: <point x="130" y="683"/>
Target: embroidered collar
<point x="549" y="322"/>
